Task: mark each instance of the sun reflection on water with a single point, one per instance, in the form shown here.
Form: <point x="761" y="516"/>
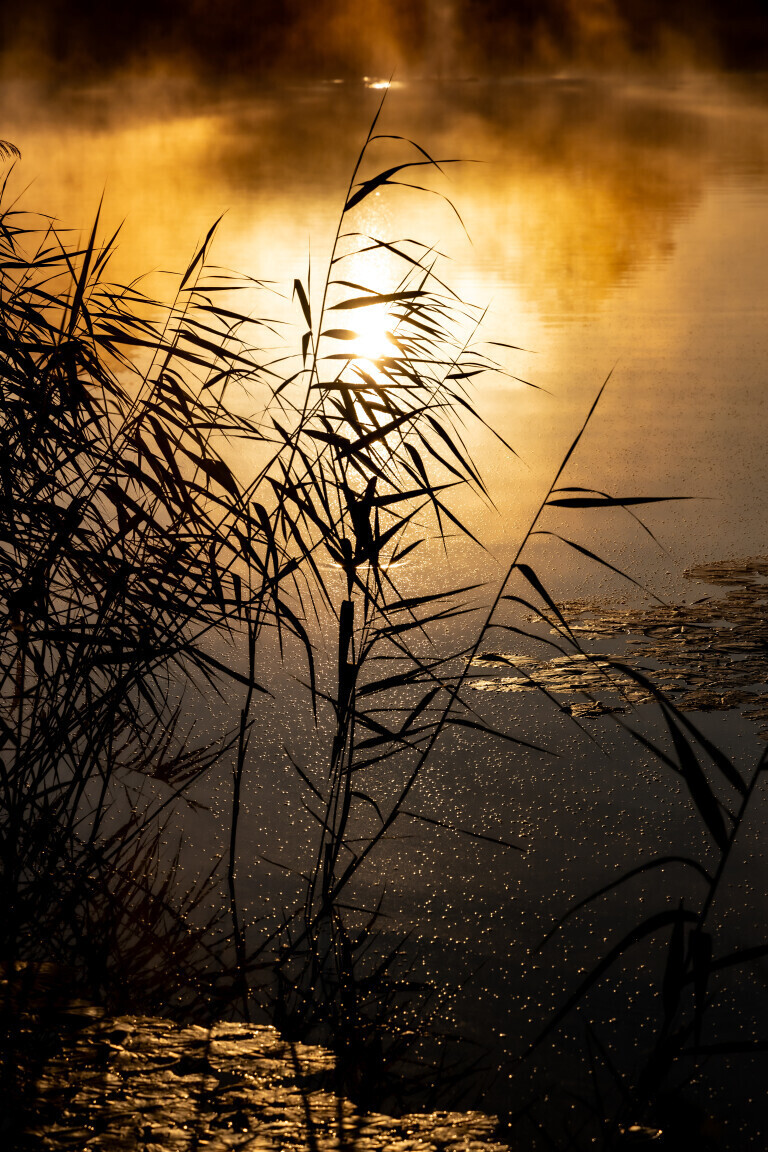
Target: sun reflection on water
<point x="374" y="341"/>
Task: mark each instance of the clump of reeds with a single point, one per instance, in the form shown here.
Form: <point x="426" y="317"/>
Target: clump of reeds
<point x="686" y="955"/>
<point x="378" y="446"/>
<point x="121" y="531"/>
<point x="128" y="546"/>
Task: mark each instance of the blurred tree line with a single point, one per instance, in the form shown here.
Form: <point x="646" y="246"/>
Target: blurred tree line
<point x="251" y="39"/>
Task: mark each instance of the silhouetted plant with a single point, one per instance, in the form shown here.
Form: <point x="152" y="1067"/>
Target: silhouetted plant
<point x="126" y="544"/>
<point x="688" y="972"/>
<point x="375" y="442"/>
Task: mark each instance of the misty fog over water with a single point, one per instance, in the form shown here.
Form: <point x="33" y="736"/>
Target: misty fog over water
<point x="233" y="43"/>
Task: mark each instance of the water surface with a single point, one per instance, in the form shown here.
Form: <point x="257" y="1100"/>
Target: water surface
<point x="611" y="226"/>
<point x="614" y="225"/>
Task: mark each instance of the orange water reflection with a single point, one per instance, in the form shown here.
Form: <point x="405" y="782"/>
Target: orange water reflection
<point x="611" y="224"/>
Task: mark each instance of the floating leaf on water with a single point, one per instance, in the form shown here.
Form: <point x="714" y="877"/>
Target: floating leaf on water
<point x="712" y="654"/>
<point x="214" y="1083"/>
<point x="639" y="1134"/>
<point x="572" y="675"/>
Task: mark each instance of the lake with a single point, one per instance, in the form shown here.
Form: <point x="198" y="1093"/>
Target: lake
<point x="609" y="226"/>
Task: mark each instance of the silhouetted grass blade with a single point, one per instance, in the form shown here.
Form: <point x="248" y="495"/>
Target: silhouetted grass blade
<point x="9" y="151"/>
<point x="198" y="260"/>
<point x="650" y="866"/>
<point x="609" y="501"/>
<point x="674" y="972"/>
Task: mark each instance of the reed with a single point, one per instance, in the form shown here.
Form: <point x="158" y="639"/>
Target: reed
<point x="131" y="552"/>
<point x="122" y="529"/>
<point x="376" y="451"/>
<point x="685" y="950"/>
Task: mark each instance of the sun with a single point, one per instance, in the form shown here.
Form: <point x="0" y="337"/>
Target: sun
<point x="373" y="341"/>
